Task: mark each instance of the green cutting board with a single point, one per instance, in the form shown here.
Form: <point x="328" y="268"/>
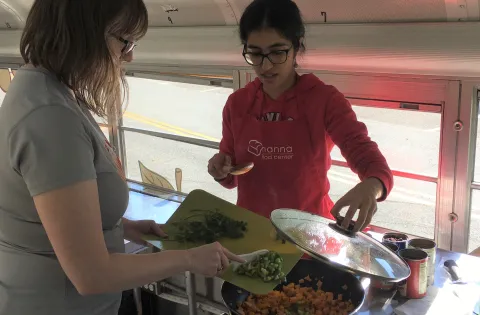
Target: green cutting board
<point x="260" y="234"/>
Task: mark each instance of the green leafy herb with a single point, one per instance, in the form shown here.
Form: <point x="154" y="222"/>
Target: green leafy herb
<point x="211" y="226"/>
<point x="268" y="267"/>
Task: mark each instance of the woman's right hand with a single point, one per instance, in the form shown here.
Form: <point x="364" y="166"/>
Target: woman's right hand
<point x="219" y="166"/>
<point x="210" y="260"/>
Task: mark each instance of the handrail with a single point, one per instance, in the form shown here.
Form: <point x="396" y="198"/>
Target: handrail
<point x="396" y="173"/>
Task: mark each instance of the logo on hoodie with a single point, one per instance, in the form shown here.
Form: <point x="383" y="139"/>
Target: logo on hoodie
<point x="274" y="116"/>
<point x="256" y="148"/>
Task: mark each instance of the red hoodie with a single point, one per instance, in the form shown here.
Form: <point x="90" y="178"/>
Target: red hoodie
<point x="290" y="140"/>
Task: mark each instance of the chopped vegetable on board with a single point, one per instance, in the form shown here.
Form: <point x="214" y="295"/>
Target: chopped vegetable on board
<point x="210" y="227"/>
<point x="268" y="267"/>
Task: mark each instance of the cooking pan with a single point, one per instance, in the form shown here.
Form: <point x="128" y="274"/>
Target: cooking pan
<point x="333" y="280"/>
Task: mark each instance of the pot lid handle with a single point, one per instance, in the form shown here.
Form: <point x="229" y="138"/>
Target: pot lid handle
<point x="337" y="226"/>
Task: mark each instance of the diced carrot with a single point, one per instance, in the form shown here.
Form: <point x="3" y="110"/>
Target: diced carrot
<point x="312" y="301"/>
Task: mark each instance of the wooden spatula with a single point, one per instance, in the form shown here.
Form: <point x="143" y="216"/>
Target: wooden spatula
<point x="241" y="169"/>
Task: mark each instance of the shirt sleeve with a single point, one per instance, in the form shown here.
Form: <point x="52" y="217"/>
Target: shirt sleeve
<point x="351" y="136"/>
<point x="51" y="149"/>
<point x="227" y="145"/>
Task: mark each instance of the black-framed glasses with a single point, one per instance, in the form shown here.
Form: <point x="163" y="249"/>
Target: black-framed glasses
<point x="129" y="46"/>
<point x="276" y="57"/>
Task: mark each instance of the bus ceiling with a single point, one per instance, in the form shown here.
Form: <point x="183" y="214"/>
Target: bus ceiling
<point x="227" y="12"/>
<point x="430" y="37"/>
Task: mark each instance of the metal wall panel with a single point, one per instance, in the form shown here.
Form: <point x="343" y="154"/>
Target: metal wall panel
<point x="228" y="12"/>
<point x="465" y="162"/>
<point x="446" y="49"/>
<point x="369" y="11"/>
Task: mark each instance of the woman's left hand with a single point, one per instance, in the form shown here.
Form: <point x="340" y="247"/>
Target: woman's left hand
<point x="364" y="197"/>
<point x="135" y="230"/>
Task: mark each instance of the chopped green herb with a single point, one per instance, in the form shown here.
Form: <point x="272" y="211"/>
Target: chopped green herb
<point x="212" y="226"/>
<point x="268" y="267"/>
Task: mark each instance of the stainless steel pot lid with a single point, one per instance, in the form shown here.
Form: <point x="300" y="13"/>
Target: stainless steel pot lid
<point x="323" y="239"/>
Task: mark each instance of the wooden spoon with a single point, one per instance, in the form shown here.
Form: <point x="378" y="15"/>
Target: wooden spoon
<point x="241" y="169"/>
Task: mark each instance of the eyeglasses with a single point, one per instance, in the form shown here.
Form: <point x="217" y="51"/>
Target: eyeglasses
<point x="275" y="57"/>
<point x="129" y="46"/>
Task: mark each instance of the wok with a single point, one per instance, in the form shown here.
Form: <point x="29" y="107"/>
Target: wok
<point x="333" y="281"/>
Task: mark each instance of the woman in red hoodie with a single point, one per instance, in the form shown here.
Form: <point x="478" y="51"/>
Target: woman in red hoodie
<point x="287" y="125"/>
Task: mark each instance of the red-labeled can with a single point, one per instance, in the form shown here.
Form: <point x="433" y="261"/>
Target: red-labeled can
<point x="415" y="286"/>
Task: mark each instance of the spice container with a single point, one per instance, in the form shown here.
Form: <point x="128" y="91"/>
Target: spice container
<point x="393" y="247"/>
<point x="430" y="247"/>
<point x="398" y="239"/>
<point x="415" y="286"/>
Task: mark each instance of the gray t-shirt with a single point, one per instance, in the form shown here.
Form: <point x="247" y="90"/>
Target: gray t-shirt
<point x="47" y="142"/>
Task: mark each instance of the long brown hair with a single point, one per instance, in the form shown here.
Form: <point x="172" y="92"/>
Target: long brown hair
<point x="69" y="39"/>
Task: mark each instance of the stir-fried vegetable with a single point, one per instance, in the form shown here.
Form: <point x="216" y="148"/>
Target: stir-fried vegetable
<point x="210" y="226"/>
<point x="297" y="300"/>
<point x="268" y="267"/>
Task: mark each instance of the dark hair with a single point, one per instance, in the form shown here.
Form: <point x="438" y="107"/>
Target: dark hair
<point x="69" y="38"/>
<point x="281" y="15"/>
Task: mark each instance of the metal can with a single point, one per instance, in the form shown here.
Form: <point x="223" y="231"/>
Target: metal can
<point x="415" y="287"/>
<point x="393" y="247"/>
<point x="430" y="247"/>
<point x="398" y="239"/>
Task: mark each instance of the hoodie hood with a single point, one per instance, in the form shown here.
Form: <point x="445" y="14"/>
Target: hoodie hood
<point x="289" y="103"/>
<point x="304" y="83"/>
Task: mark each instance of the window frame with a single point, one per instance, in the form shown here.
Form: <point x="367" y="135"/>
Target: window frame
<point x="465" y="185"/>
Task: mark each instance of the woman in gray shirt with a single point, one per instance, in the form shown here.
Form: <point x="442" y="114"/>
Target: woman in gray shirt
<point x="62" y="191"/>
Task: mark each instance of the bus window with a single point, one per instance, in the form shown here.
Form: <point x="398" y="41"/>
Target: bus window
<point x="167" y="158"/>
<point x="183" y="109"/>
<point x="105" y="130"/>
<point x="6" y="76"/>
<point x="100" y="120"/>
<point x="400" y="131"/>
<point x="410" y="208"/>
<point x="104" y="125"/>
<point x="171" y="127"/>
